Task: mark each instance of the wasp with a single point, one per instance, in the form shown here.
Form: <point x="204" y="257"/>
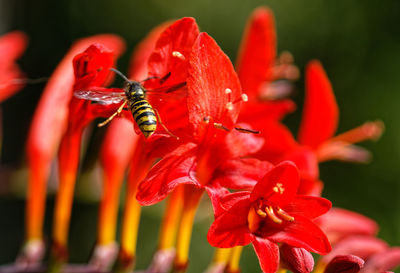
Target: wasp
<point x="134" y="97"/>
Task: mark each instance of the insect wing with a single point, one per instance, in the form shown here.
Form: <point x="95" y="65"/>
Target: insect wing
<point x="102" y="97"/>
<point x="175" y="91"/>
<point x="168" y="89"/>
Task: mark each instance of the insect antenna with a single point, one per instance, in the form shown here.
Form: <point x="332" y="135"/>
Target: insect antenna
<point x="120" y="74"/>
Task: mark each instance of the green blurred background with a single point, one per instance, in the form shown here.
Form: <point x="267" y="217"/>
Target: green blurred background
<point x="357" y="41"/>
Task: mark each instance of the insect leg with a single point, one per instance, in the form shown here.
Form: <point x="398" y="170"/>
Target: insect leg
<point x="162" y="124"/>
<point x="118" y="112"/>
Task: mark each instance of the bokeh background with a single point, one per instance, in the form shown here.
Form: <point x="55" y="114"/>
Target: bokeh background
<point x="358" y="42"/>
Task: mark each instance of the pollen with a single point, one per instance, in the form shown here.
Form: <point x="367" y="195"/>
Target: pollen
<point x="278" y="188"/>
<point x="228" y="91"/>
<point x="245" y="97"/>
<point x="178" y="55"/>
<point x="229" y="106"/>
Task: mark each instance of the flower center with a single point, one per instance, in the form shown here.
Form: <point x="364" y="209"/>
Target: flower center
<point x="261" y="211"/>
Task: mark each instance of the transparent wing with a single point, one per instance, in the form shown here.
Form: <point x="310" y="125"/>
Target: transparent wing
<point x="176" y="91"/>
<point x="168" y="89"/>
<point x="102" y="97"/>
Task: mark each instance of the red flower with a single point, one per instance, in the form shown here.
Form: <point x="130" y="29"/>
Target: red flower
<point x="213" y="89"/>
<point x="257" y="70"/>
<point x="49" y="123"/>
<point x="12" y="45"/>
<point x="48" y="127"/>
<point x="272" y="212"/>
<point x="316" y="135"/>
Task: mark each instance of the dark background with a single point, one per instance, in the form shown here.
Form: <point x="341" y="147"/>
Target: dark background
<point x="357" y="41"/>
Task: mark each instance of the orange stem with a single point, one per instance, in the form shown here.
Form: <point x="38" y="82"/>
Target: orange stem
<point x="130" y="223"/>
<point x="191" y="201"/>
<point x="36" y="198"/>
<point x="170" y="221"/>
<point x="68" y="167"/>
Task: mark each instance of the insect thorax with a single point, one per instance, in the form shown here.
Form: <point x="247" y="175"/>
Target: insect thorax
<point x="134" y="90"/>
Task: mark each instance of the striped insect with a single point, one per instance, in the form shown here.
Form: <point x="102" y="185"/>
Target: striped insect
<point x="134" y="96"/>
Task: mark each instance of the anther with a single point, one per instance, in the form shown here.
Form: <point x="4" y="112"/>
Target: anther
<point x="284" y="215"/>
<point x="261" y="213"/>
<point x="220" y="126"/>
<point x="228" y="91"/>
<point x="271" y="215"/>
<point x="245" y="97"/>
<point x="278" y="188"/>
<point x="206" y="119"/>
<point x="178" y="55"/>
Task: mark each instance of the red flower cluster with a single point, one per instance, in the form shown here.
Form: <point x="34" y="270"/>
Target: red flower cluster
<point x="218" y="129"/>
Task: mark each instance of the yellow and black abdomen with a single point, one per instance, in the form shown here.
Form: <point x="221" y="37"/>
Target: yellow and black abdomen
<point x="144" y="116"/>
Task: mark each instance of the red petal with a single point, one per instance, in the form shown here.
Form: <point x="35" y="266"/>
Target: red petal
<point x="230" y="228"/>
<point x="12" y="45"/>
<point x="361" y="246"/>
<point x="339" y="223"/>
<point x="174" y="169"/>
<point x="210" y="75"/>
<point x="229" y="200"/>
<point x="278" y="140"/>
<point x="240" y="144"/>
<point x="389" y="259"/>
<point x="241" y="173"/>
<point x="309" y="186"/>
<point x="300" y="233"/>
<point x="345" y="264"/>
<point x="138" y="67"/>
<point x="117" y="148"/>
<point x="321" y="113"/>
<point x="278" y="186"/>
<point x="179" y="37"/>
<point x="267" y="253"/>
<point x="216" y="193"/>
<point x="305" y="160"/>
<point x="295" y="259"/>
<point x="257" y="52"/>
<point x="91" y="67"/>
<point x="257" y="113"/>
<point x="308" y="206"/>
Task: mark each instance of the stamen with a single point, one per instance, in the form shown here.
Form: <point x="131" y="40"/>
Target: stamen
<point x="178" y="55"/>
<point x="284" y="215"/>
<point x="261" y="213"/>
<point x="271" y="214"/>
<point x="369" y="130"/>
<point x="278" y="188"/>
<point x="220" y="126"/>
<point x="245" y="97"/>
<point x="343" y="151"/>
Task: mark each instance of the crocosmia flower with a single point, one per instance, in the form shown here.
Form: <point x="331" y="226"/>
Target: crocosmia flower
<point x="271" y="213"/>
